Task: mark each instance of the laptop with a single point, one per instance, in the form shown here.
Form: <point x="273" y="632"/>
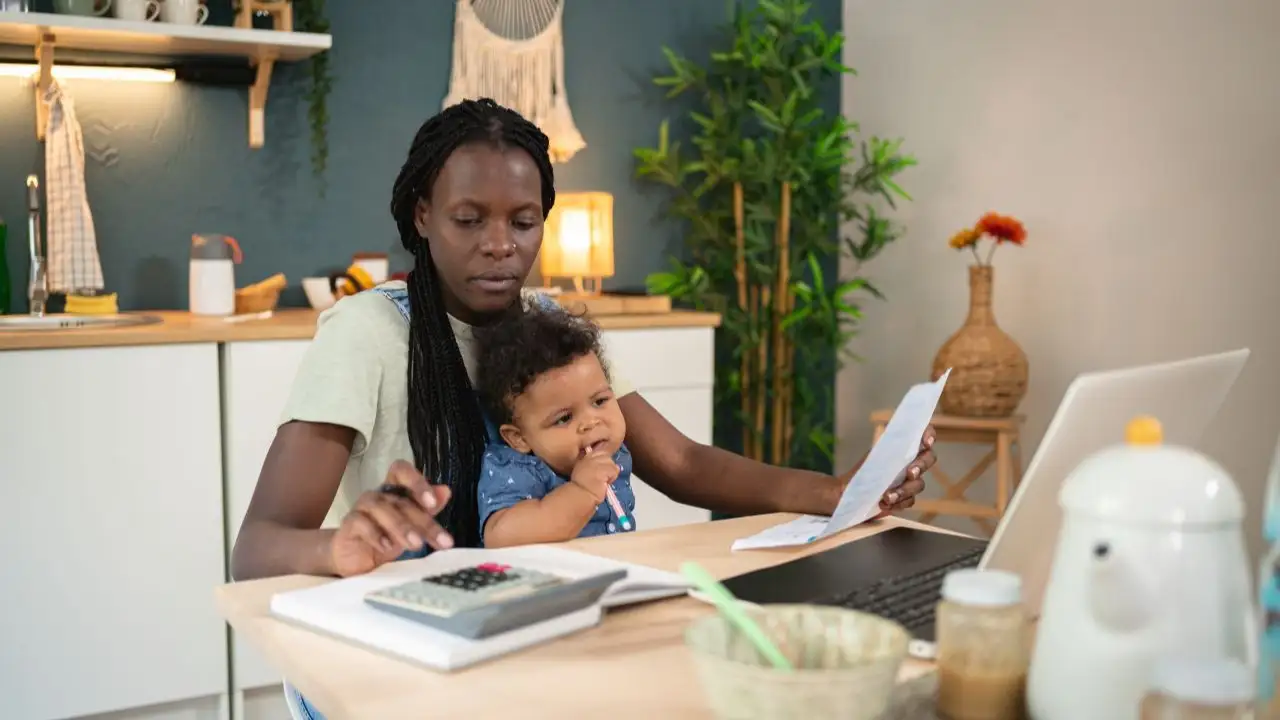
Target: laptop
<point x="898" y="573"/>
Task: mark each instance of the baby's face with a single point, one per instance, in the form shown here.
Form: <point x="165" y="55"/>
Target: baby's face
<point x="565" y="414"/>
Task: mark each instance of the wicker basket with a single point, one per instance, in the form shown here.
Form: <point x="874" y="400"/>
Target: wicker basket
<point x="846" y="664"/>
<point x="260" y="297"/>
<point x="988" y="369"/>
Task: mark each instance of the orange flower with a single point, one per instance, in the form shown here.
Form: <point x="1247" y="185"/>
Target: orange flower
<point x="1003" y="228"/>
<point x="966" y="238"/>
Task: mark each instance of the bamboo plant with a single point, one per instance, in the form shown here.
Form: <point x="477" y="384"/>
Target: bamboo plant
<point x="762" y="189"/>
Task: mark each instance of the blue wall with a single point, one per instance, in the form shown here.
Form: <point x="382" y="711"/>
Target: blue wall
<point x="169" y="160"/>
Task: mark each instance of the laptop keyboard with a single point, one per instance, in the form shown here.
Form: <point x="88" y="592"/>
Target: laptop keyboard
<point x="908" y="600"/>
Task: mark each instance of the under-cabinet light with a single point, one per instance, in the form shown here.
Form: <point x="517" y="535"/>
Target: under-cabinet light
<point x="90" y="72"/>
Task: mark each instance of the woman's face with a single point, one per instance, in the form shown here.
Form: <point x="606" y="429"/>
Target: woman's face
<point x="483" y="222"/>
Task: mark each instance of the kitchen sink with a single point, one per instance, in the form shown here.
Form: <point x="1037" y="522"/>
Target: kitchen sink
<point x="32" y="323"/>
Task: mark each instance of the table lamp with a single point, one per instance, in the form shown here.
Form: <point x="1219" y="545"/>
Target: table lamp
<point x="577" y="241"/>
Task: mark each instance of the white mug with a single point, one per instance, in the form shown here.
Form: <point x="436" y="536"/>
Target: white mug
<point x="137" y="10"/>
<point x="82" y="7"/>
<point x="184" y="12"/>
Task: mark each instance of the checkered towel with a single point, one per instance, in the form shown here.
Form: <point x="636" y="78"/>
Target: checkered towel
<point x="71" y="244"/>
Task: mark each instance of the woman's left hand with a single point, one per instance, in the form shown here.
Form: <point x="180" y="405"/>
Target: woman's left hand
<point x="904" y="496"/>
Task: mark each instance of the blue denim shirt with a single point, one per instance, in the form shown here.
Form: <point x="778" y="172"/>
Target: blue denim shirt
<point x="508" y="476"/>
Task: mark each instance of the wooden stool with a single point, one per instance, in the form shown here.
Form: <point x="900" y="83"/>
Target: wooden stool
<point x="1001" y="435"/>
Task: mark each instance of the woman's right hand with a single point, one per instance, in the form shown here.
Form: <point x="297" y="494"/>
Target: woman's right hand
<point x="386" y="522"/>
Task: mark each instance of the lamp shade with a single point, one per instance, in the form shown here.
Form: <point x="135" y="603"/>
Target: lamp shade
<point x="577" y="241"/>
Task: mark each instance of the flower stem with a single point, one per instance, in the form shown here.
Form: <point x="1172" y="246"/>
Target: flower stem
<point x="974" y="249"/>
<point x="994" y="244"/>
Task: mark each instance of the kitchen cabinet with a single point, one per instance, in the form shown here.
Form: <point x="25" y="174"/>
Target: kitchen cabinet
<point x="113" y="535"/>
<point x="673" y="368"/>
<point x="118" y="462"/>
<point x="256" y="379"/>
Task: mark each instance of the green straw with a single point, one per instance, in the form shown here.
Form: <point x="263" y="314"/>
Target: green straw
<point x="733" y="611"/>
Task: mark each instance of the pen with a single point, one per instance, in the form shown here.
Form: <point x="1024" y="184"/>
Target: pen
<point x="617" y="508"/>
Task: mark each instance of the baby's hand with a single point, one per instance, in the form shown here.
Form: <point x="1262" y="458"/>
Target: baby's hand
<point x="594" y="473"/>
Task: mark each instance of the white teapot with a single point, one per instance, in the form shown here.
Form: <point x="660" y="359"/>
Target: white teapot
<point x="1150" y="562"/>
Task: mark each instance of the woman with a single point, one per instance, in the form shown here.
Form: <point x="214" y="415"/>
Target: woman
<point x="388" y="376"/>
<point x="385" y="381"/>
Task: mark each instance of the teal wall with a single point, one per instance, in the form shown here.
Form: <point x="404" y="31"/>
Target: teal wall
<point x="168" y="160"/>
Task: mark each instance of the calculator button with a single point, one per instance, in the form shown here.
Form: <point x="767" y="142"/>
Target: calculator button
<point x="473" y="579"/>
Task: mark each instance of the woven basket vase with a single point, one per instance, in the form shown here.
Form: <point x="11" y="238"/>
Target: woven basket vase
<point x="988" y="369"/>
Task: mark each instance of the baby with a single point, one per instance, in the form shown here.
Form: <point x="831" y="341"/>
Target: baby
<point x="544" y="385"/>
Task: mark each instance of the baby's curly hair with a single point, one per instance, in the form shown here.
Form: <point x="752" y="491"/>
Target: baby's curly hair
<point x="522" y="345"/>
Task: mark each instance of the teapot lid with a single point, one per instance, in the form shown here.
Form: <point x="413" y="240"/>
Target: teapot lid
<point x="206" y="246"/>
<point x="1147" y="482"/>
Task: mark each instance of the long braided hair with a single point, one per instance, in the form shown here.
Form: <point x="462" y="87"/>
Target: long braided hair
<point x="446" y="427"/>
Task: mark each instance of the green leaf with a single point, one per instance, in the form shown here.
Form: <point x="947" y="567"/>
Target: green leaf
<point x="897" y="190"/>
<point x="815" y="272"/>
<point x="849" y="287"/>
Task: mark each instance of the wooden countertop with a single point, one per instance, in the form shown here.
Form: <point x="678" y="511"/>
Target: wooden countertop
<point x="285" y="324"/>
<point x="637" y="651"/>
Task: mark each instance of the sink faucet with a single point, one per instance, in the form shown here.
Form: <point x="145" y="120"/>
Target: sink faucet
<point x="38" y="287"/>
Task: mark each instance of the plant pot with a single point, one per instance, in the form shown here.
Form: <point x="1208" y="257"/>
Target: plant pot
<point x="988" y="369"/>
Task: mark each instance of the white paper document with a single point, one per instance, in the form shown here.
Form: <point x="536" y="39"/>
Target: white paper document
<point x="884" y="468"/>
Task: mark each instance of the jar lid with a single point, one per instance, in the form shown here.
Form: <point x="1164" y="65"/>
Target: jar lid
<point x="1203" y="680"/>
<point x="984" y="588"/>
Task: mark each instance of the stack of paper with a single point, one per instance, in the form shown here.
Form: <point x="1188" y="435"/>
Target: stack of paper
<point x="884" y="468"/>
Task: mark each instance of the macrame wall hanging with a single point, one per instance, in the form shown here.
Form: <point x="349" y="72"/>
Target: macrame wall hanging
<point x="513" y="52"/>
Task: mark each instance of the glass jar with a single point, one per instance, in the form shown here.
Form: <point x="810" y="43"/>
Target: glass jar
<point x="983" y="646"/>
<point x="1199" y="688"/>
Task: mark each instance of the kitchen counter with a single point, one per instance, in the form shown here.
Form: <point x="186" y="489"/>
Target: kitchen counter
<point x="172" y="424"/>
<point x="286" y="324"/>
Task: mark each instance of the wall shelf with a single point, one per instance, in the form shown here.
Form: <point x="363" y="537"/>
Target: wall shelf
<point x="43" y="32"/>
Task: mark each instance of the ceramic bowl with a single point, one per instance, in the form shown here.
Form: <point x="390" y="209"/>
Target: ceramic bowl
<point x="846" y="664"/>
<point x="318" y="292"/>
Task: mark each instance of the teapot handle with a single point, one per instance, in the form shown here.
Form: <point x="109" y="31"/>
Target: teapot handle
<point x="236" y="256"/>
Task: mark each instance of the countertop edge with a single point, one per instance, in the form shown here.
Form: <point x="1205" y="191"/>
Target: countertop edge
<point x="181" y="327"/>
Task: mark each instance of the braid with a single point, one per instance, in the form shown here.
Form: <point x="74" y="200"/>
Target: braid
<point x="446" y="427"/>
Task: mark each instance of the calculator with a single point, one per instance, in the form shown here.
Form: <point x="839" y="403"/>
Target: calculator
<point x="490" y="598"/>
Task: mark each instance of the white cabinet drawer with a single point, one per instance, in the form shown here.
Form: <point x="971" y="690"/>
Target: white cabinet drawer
<point x="112" y="462"/>
<point x="256" y="380"/>
<point x="690" y="411"/>
<point x="663" y="357"/>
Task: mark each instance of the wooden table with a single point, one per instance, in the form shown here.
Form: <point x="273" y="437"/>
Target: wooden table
<point x="633" y="665"/>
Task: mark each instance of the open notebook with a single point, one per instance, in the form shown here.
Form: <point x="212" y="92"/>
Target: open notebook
<point x="338" y="608"/>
